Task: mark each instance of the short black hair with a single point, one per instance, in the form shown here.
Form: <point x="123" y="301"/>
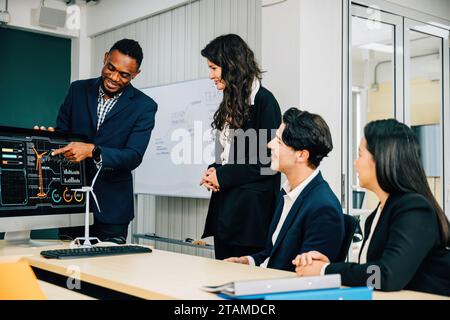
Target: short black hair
<point x="130" y="48"/>
<point x="307" y="131"/>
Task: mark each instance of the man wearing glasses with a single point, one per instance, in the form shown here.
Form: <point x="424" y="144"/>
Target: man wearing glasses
<point x="118" y="120"/>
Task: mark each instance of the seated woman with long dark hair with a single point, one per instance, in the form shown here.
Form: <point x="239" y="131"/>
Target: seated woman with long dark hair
<point x="406" y="241"/>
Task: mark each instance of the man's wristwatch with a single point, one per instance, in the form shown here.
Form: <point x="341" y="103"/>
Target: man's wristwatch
<point x="96" y="153"/>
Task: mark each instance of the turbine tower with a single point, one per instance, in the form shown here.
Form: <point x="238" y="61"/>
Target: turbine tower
<point x="86" y="240"/>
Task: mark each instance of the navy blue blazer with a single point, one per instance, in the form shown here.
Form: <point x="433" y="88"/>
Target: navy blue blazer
<point x="123" y="138"/>
<point x="315" y="222"/>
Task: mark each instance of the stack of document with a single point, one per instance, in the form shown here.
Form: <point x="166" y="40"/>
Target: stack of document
<point x="252" y="287"/>
<point x="358" y="293"/>
<point x="326" y="287"/>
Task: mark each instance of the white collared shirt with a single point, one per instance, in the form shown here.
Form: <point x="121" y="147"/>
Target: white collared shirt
<point x="363" y="256"/>
<point x="104" y="106"/>
<point x="225" y="141"/>
<point x="225" y="134"/>
<point x="289" y="199"/>
<point x="255" y="88"/>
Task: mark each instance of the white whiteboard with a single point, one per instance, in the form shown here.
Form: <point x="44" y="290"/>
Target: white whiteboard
<point x="185" y="112"/>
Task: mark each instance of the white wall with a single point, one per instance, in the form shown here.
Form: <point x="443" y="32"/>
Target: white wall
<point x="111" y="14"/>
<point x="22" y="16"/>
<point x="301" y="50"/>
<point x="105" y="16"/>
<point x="281" y="51"/>
<point x="320" y="74"/>
<point x="81" y="50"/>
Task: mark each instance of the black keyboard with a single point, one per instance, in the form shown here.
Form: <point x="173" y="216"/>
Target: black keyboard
<point x="93" y="252"/>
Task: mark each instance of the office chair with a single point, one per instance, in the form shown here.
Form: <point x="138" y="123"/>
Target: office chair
<point x="350" y="226"/>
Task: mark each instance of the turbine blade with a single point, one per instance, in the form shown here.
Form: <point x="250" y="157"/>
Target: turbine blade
<point x="96" y="201"/>
<point x="95" y="178"/>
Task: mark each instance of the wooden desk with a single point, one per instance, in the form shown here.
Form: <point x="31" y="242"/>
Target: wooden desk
<point x="53" y="292"/>
<point x="167" y="275"/>
<point x="157" y="275"/>
<point x="13" y="254"/>
<point x="160" y="274"/>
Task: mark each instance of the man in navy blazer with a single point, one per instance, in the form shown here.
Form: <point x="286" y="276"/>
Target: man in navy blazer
<point x="308" y="214"/>
<point x="117" y="120"/>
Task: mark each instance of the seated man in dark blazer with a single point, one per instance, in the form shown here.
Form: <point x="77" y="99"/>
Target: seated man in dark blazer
<point x="308" y="215"/>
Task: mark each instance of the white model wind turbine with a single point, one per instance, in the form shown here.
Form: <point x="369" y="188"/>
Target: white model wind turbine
<point x="86" y="240"/>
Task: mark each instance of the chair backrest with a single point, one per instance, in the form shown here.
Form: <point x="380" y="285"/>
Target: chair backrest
<point x="350" y="225"/>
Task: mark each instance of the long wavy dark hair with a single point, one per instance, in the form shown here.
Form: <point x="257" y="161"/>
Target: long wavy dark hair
<point x="239" y="70"/>
<point x="396" y="152"/>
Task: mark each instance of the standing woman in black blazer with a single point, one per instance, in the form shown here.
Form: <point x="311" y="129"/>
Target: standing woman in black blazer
<point x="406" y="242"/>
<point x="244" y="188"/>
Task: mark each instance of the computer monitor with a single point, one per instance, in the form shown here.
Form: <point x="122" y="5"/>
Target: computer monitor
<point x="36" y="187"/>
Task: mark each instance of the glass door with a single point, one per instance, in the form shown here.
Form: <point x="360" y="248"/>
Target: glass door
<point x="375" y="90"/>
<point x="427" y="100"/>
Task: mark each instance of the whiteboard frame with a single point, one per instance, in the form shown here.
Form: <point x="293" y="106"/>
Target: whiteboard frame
<point x="165" y="194"/>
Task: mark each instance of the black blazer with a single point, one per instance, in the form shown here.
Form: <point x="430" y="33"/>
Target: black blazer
<point x="123" y="137"/>
<point x="241" y="212"/>
<point x="315" y="222"/>
<point x="405" y="247"/>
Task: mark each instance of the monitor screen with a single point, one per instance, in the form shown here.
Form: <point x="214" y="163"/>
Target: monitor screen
<point x="32" y="181"/>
